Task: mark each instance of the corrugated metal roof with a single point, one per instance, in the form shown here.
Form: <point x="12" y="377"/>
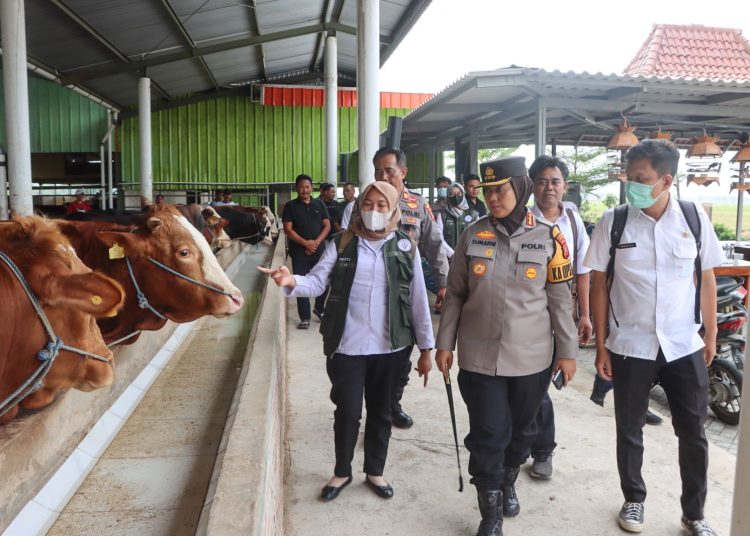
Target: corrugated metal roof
<point x="582" y="108"/>
<point x="189" y="46"/>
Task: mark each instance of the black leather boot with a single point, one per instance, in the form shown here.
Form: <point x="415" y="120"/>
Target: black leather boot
<point x="490" y="506"/>
<point x="511" y="506"/>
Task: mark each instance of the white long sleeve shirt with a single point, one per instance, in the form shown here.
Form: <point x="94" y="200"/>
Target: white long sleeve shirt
<point x="653" y="293"/>
<point x="366" y="325"/>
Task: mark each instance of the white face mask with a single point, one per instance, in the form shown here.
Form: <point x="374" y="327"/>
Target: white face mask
<point x="374" y="220"/>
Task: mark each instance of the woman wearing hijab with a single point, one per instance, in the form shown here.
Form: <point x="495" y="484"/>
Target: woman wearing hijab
<point x="454" y="218"/>
<point x="508" y="306"/>
<point x="376" y="310"/>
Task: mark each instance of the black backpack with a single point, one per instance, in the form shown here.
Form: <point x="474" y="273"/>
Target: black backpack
<point x="690" y="212"/>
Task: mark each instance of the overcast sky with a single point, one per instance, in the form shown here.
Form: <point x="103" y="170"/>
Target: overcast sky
<point x="454" y="37"/>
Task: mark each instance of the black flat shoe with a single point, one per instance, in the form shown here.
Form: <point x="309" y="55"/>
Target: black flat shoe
<point x="385" y="492"/>
<point x="328" y="493"/>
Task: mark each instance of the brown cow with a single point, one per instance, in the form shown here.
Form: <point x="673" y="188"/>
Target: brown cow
<point x="166" y="237"/>
<point x="70" y="294"/>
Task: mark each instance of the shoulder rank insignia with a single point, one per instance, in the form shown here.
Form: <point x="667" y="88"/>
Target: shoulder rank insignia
<point x="530" y="219"/>
<point x="559" y="268"/>
<point x="428" y="210"/>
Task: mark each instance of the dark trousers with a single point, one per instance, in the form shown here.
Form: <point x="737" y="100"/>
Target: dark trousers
<point x="375" y="376"/>
<point x="685" y="382"/>
<point x="403" y="378"/>
<point x="501" y="422"/>
<point x="544" y="440"/>
<point x="301" y="265"/>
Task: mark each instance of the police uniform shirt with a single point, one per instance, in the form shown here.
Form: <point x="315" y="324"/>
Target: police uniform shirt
<point x="653" y="290"/>
<point x="366" y="325"/>
<point x="307" y="221"/>
<point x="577" y="250"/>
<point x="507" y="297"/>
<point x="417" y="222"/>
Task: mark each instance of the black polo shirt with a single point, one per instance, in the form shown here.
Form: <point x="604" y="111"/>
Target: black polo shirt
<point x="307" y="221"/>
<point x="478" y="207"/>
<point x="333" y="212"/>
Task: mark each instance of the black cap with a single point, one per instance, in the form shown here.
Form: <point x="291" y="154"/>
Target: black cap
<point x="501" y="170"/>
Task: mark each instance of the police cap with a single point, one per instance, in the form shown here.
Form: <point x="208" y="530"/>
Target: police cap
<point x="501" y="170"/>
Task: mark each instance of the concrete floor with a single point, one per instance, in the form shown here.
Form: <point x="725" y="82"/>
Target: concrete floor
<point x="583" y="498"/>
<point x="154" y="476"/>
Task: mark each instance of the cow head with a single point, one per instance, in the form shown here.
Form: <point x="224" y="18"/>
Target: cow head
<point x="167" y="237"/>
<point x="72" y="297"/>
<point x="215" y="225"/>
<point x="271" y="231"/>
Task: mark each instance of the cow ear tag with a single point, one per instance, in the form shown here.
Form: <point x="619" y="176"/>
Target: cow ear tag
<point x="116" y="252"/>
<point x="96" y="300"/>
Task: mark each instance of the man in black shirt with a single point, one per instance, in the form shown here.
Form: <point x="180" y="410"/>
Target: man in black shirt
<point x="476" y="206"/>
<point x="306" y="224"/>
<point x="328" y="196"/>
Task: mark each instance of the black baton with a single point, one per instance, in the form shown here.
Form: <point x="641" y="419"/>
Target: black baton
<point x="449" y="392"/>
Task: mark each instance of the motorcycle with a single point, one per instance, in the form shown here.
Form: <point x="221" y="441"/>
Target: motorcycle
<point x="726" y="372"/>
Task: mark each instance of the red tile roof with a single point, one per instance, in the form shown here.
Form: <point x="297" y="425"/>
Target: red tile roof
<point x="693" y="51"/>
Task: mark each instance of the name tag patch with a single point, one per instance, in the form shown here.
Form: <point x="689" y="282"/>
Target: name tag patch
<point x="626" y="246"/>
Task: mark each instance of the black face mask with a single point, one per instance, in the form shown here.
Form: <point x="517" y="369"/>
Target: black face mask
<point x="456" y="200"/>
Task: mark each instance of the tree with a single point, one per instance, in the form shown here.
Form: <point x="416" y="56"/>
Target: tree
<point x="610" y="201"/>
<point x="482" y="156"/>
<point x="587" y="167"/>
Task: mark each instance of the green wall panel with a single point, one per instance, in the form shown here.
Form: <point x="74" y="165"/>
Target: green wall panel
<point x="236" y="140"/>
<point x="61" y="120"/>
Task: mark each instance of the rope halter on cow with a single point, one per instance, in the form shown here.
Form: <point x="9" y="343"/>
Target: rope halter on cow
<point x="46" y="355"/>
<point x="143" y="301"/>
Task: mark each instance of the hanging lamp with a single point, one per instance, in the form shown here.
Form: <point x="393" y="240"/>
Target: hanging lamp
<point x="623" y="140"/>
<point x="704" y="160"/>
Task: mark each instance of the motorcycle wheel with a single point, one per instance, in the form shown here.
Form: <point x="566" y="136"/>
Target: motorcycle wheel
<point x="725" y="391"/>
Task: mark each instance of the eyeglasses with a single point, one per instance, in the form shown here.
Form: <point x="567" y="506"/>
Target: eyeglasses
<point x="545" y="182"/>
<point x="390" y="172"/>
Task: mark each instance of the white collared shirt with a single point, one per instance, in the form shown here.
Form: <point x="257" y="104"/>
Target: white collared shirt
<point x="653" y="291"/>
<point x="366" y="324"/>
<point x="566" y="227"/>
<point x="347" y="216"/>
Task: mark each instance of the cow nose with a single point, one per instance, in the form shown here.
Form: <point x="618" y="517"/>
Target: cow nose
<point x="237" y="300"/>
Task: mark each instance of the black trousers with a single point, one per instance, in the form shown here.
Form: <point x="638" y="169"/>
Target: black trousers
<point x="501" y="422"/>
<point x="301" y="265"/>
<point x="544" y="439"/>
<point x="403" y="378"/>
<point x="375" y="376"/>
<point x="685" y="382"/>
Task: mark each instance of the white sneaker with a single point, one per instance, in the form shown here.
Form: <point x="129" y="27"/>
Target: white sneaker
<point x="697" y="528"/>
<point x="631" y="516"/>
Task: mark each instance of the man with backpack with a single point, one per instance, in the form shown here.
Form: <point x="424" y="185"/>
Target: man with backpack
<point x="549" y="175"/>
<point x="652" y="263"/>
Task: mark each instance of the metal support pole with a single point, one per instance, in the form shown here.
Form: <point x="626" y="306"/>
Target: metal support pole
<point x="332" y="108"/>
<point x="110" y="173"/>
<point x="15" y="83"/>
<point x="740" y="203"/>
<point x="144" y="131"/>
<point x="459" y="153"/>
<point x="4" y="214"/>
<point x="741" y="503"/>
<point x="541" y="129"/>
<point x="473" y="155"/>
<point x="432" y="171"/>
<point x="103" y="177"/>
<point x="368" y="94"/>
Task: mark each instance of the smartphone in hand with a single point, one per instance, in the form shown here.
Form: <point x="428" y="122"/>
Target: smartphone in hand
<point x="557" y="379"/>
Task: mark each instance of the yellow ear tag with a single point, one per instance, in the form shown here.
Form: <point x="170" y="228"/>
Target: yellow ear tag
<point x="96" y="300"/>
<point x="116" y="252"/>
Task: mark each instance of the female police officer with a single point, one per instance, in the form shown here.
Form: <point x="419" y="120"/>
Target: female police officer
<point x="509" y="305"/>
<point x="376" y="310"/>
